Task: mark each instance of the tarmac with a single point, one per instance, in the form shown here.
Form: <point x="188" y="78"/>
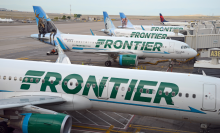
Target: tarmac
<point x="15" y="43"/>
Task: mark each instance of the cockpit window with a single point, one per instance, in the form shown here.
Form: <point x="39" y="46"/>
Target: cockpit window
<point x="184" y="47"/>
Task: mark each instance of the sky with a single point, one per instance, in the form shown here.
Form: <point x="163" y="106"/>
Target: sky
<point x="113" y="7"/>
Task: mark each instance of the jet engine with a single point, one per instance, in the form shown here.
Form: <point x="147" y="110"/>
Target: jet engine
<point x="44" y="123"/>
<point x="128" y="60"/>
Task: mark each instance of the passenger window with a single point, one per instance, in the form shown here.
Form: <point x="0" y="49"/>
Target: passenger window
<point x="93" y="85"/>
<point x="76" y="84"/>
<point x="51" y="81"/>
<point x="65" y="83"/>
<point x="173" y="93"/>
<point x="71" y="83"/>
<point x="147" y="91"/>
<point x="88" y="85"/>
<point x="116" y="88"/>
<point x="26" y="79"/>
<point x="43" y="81"/>
<point x="4" y="77"/>
<point x="9" y="78"/>
<point x="194" y="95"/>
<point x="141" y="90"/>
<point x="15" y="78"/>
<point x="166" y="93"/>
<point x="160" y="92"/>
<point x="37" y="80"/>
<point x="180" y="94"/>
<point x="187" y="95"/>
<point x="129" y="89"/>
<point x="20" y="79"/>
<point x="31" y="80"/>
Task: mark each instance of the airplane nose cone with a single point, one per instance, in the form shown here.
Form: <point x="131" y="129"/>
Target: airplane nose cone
<point x="192" y="53"/>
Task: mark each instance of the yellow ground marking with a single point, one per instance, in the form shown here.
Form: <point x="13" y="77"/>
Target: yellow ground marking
<point x="95" y="128"/>
<point x="109" y="129"/>
<point x="22" y="58"/>
<point x="145" y="67"/>
<point x="158" y="129"/>
<point x="138" y="129"/>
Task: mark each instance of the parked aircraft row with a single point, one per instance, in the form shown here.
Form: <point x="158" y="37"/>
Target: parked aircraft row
<point x="124" y="50"/>
<point x="110" y="29"/>
<point x="126" y="24"/>
<point x="33" y="93"/>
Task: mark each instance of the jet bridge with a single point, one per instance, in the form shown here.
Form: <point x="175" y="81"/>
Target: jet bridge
<point x="209" y="67"/>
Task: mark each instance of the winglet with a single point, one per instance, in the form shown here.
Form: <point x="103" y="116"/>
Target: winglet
<point x="92" y="32"/>
<point x="142" y="27"/>
<point x="62" y="57"/>
<point x="203" y="73"/>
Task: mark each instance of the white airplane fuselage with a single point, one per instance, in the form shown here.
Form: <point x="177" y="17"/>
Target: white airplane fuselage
<point x="144" y="34"/>
<point x="142" y="47"/>
<point x="189" y="97"/>
<point x="158" y="28"/>
<point x="176" y="23"/>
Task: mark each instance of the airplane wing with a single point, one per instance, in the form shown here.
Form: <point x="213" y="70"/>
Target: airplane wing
<point x="21" y="101"/>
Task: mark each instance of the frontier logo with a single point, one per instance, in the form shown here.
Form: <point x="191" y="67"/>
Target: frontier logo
<point x="31" y="77"/>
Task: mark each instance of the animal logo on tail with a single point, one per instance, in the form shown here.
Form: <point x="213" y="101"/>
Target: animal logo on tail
<point x="45" y="26"/>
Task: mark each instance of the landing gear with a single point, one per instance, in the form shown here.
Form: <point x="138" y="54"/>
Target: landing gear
<point x="5" y="129"/>
<point x="108" y="63"/>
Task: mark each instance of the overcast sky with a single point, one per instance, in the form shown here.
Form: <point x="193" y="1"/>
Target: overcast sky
<point x="113" y="7"/>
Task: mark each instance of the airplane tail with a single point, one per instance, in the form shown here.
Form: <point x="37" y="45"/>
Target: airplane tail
<point x="108" y="24"/>
<point x="125" y="21"/>
<point x="44" y="23"/>
<point x="162" y="19"/>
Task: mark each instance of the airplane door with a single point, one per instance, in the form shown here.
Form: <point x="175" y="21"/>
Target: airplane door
<point x="171" y="47"/>
<point x="209" y="97"/>
<point x="103" y="88"/>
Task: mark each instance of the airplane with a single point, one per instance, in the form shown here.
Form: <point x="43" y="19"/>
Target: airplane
<point x="124" y="50"/>
<point x="162" y="20"/>
<point x="126" y="24"/>
<point x="110" y="29"/>
<point x="34" y="94"/>
<point x="6" y="20"/>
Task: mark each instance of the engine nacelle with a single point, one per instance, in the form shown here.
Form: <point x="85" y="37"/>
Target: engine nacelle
<point x="46" y="123"/>
<point x="128" y="60"/>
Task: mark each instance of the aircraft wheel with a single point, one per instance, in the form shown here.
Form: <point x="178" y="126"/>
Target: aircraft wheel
<point x="3" y="127"/>
<point x="108" y="63"/>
